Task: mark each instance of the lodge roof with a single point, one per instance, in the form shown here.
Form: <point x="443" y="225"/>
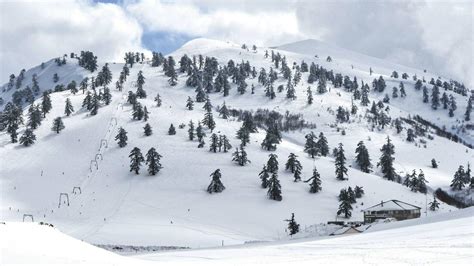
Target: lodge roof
<point x="392" y="205"/>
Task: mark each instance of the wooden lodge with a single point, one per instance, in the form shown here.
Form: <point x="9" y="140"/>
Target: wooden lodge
<point x="396" y="209"/>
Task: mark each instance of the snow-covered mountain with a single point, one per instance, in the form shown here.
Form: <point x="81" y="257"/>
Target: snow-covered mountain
<point x="172" y="208"/>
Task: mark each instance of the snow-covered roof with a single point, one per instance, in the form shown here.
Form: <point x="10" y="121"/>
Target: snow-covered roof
<point x="345" y="230"/>
<point x="392" y="205"/>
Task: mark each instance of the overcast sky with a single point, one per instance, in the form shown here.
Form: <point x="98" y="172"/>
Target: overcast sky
<point x="436" y="35"/>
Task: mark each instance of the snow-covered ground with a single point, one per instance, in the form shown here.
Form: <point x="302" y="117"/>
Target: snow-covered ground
<point x="173" y="208"/>
<point x="448" y="240"/>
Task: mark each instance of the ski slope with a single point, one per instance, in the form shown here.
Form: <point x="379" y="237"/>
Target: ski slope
<point x="445" y="241"/>
<point x="173" y="208"/>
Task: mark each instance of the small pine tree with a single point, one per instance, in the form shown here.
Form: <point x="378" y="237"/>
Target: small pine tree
<point x="69" y="109"/>
<point x="274" y="187"/>
<point x="264" y="175"/>
<point x="310" y="146"/>
<point x="309" y="93"/>
<point x="458" y="179"/>
<point x="315" y="185"/>
<point x="223" y="111"/>
<point x="153" y="161"/>
<point x="147" y="130"/>
<point x="240" y="156"/>
<point x="58" y="125"/>
<point x="121" y="137"/>
<point x="224" y="142"/>
<point x="145" y="114"/>
<point x="28" y="138"/>
<point x="345" y="206"/>
<point x="190" y="103"/>
<point x="294" y="166"/>
<point x="362" y="158"/>
<point x="46" y="105"/>
<point x="158" y="100"/>
<point x="322" y="145"/>
<point x="216" y="185"/>
<point x="341" y="169"/>
<point x="434" y="164"/>
<point x="200" y="132"/>
<point x="272" y="138"/>
<point x="136" y="159"/>
<point x="243" y="135"/>
<point x="386" y="160"/>
<point x="293" y="226"/>
<point x="214" y="143"/>
<point x="358" y="191"/>
<point x="434" y="205"/>
<point x="191" y="130"/>
<point x="209" y="120"/>
<point x="171" y="130"/>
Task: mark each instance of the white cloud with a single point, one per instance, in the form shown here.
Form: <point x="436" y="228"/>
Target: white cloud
<point x="260" y="26"/>
<point x="33" y="32"/>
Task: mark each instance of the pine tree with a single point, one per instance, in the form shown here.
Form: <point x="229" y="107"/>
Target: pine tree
<point x="106" y="96"/>
<point x="345" y="206"/>
<point x="421" y="183"/>
<point x="322" y="145"/>
<point x="121" y="137"/>
<point x="341" y="169"/>
<point x="434" y="164"/>
<point x="458" y="179"/>
<point x="272" y="138"/>
<point x="190" y="103"/>
<point x="410" y="135"/>
<point x="214" y="143"/>
<point x="11" y="118"/>
<point x="293" y="226"/>
<point x="467" y="114"/>
<point x="435" y="97"/>
<point x="294" y="166"/>
<point x="207" y="105"/>
<point x="209" y="120"/>
<point x="452" y="105"/>
<point x="309" y="93"/>
<point x="95" y="104"/>
<point x="223" y="111"/>
<point x="141" y="93"/>
<point x="28" y="138"/>
<point x="264" y="175"/>
<point x="224" y="142"/>
<point x="274" y="187"/>
<point x="46" y="105"/>
<point x="386" y="160"/>
<point x="136" y="159"/>
<point x="69" y="109"/>
<point x="34" y="117"/>
<point x="351" y="195"/>
<point x="240" y="156"/>
<point x="359" y="192"/>
<point x="243" y="135"/>
<point x="191" y="130"/>
<point x="58" y="125"/>
<point x="153" y="161"/>
<point x="172" y="130"/>
<point x="216" y="185"/>
<point x="362" y="158"/>
<point x="434" y="205"/>
<point x="145" y="114"/>
<point x="158" y="100"/>
<point x="147" y="130"/>
<point x="315" y="185"/>
<point x="425" y="94"/>
<point x="200" y="132"/>
<point x="310" y="146"/>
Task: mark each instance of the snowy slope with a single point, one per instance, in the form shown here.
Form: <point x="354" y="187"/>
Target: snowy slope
<point x="173" y="208"/>
<point x="446" y="241"/>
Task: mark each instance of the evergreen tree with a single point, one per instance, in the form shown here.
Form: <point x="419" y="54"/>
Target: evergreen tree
<point x="425" y="94"/>
<point x="95" y="104"/>
<point x="359" y="192"/>
<point x="435" y="97"/>
<point x="209" y="120"/>
<point x="224" y="142"/>
<point x="58" y="125"/>
<point x="467" y="114"/>
<point x="200" y="132"/>
<point x="243" y="135"/>
<point x="121" y="137"/>
<point x="34" y="117"/>
<point x="147" y="130"/>
<point x="190" y="103"/>
<point x="421" y="183"/>
<point x="216" y="185"/>
<point x="158" y="100"/>
<point x="141" y="93"/>
<point x="272" y="163"/>
<point x="191" y="130"/>
<point x="386" y="160"/>
<point x="46" y="105"/>
<point x="452" y="105"/>
<point x="69" y="109"/>
<point x="208" y="105"/>
<point x="345" y="206"/>
<point x="309" y="93"/>
<point x="322" y="145"/>
<point x="11" y="118"/>
<point x="28" y="138"/>
<point x="106" y="96"/>
<point x="264" y="175"/>
<point x="293" y="226"/>
<point x="87" y="102"/>
<point x="223" y="111"/>
<point x="240" y="156"/>
<point x="341" y="169"/>
<point x="362" y="158"/>
<point x="274" y="187"/>
<point x="72" y="87"/>
<point x="458" y="179"/>
<point x="153" y="161"/>
<point x="214" y="143"/>
<point x="272" y="138"/>
<point x="172" y="130"/>
<point x="310" y="146"/>
<point x="410" y="135"/>
<point x="294" y="166"/>
<point x="434" y="164"/>
<point x="315" y="185"/>
<point x="434" y="205"/>
<point x="145" y="114"/>
<point x="248" y="123"/>
<point x="445" y="100"/>
<point x="136" y="159"/>
<point x="351" y="195"/>
<point x="137" y="112"/>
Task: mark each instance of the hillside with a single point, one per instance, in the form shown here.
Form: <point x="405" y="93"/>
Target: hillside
<point x="173" y="208"/>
